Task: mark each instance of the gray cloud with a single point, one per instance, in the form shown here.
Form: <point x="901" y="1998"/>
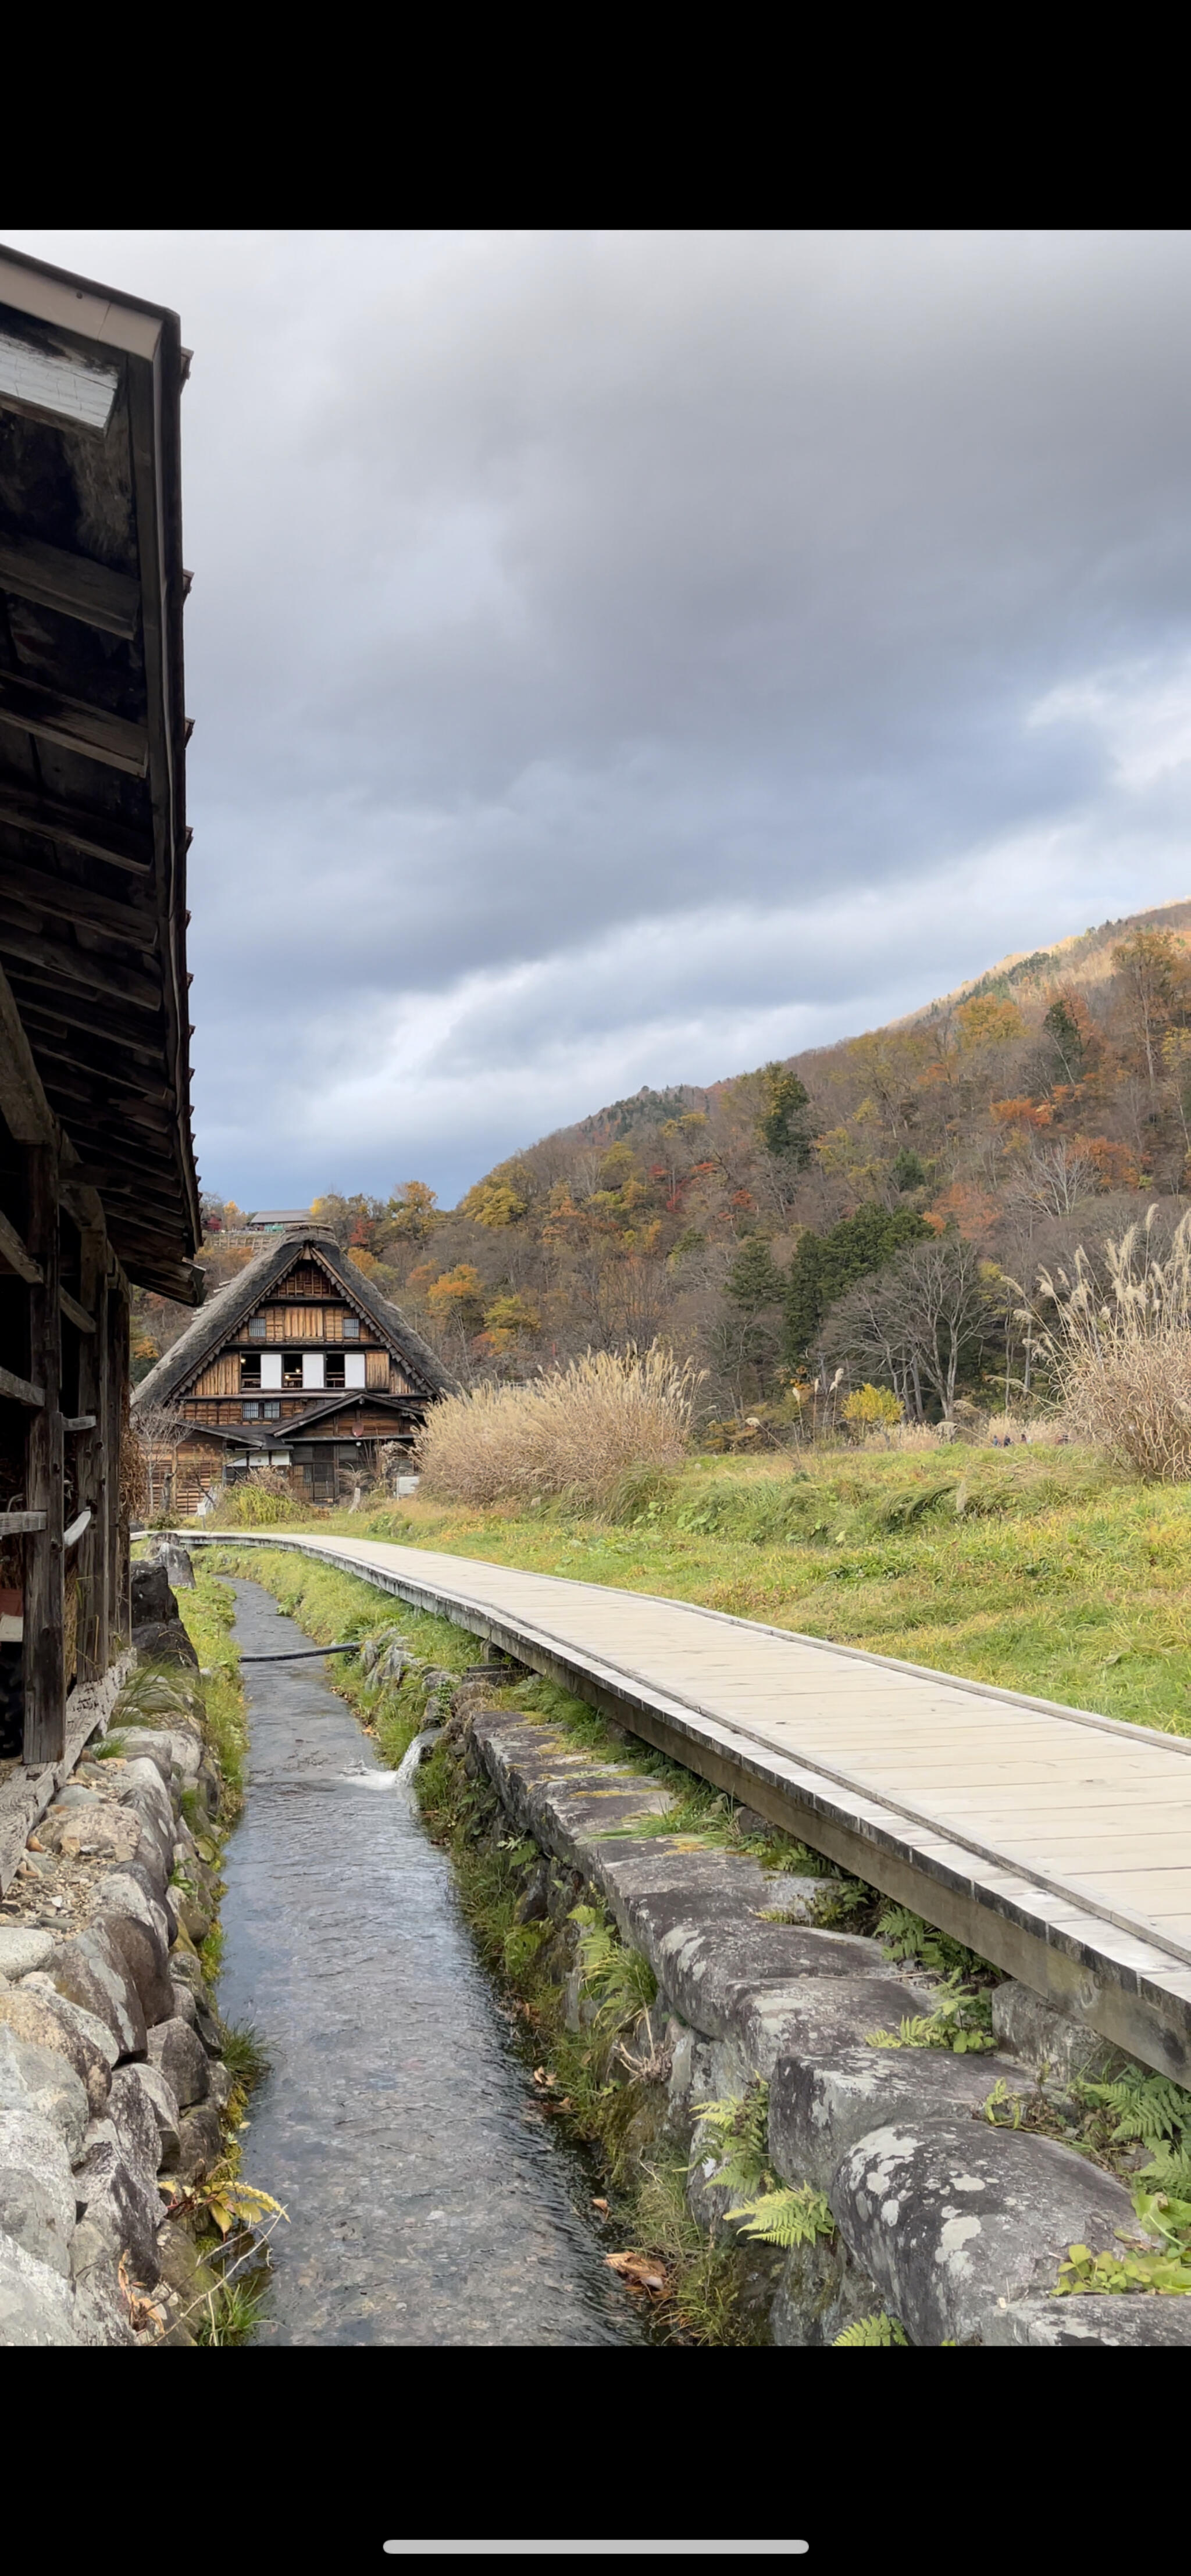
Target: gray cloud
<point x="619" y="657"/>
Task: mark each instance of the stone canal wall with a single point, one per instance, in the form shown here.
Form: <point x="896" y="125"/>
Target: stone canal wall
<point x="927" y="2213"/>
<point x="112" y="2074"/>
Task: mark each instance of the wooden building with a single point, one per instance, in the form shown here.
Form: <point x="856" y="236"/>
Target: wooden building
<point x="97" y="1178"/>
<point x="296" y="1364"/>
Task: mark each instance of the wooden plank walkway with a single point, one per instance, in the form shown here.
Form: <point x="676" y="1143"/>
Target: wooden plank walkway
<point x="1055" y="1842"/>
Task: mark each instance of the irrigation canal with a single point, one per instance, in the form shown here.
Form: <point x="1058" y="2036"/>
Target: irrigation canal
<point x="429" y="2200"/>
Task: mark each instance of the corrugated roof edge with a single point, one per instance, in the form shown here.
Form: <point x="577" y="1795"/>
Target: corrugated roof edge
<point x="215" y="1320"/>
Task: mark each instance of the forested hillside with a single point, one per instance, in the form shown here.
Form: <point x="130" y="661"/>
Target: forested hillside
<point x="859" y="1209"/>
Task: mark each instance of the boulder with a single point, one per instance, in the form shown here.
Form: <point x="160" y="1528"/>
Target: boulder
<point x="145" y="1957"/>
<point x="816" y="2015"/>
<point x="90" y="1971"/>
<point x="163" y="2102"/>
<point x="952" y="2220"/>
<point x="1092" y="2317"/>
<point x="176" y="1563"/>
<point x="100" y="2309"/>
<point x="179" y="2052"/>
<point x="150" y="1594"/>
<point x="144" y="1794"/>
<point x="170" y="1749"/>
<point x="104" y="1827"/>
<point x="50" y="2022"/>
<point x="200" y="2142"/>
<point x="826" y="2092"/>
<point x="37" y="2197"/>
<point x="164" y="1641"/>
<point x="36" y="2307"/>
<point x="125" y="1892"/>
<point x="1040" y="2036"/>
<point x="185" y="2005"/>
<point x="713" y="1968"/>
<point x="21" y="1950"/>
<point x="42" y="2080"/>
<point x="134" y="2118"/>
<point x="124" y="2209"/>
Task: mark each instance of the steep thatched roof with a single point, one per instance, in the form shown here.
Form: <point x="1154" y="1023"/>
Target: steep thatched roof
<point x="217" y="1320"/>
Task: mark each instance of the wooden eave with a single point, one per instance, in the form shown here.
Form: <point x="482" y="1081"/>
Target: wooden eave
<point x="93" y="729"/>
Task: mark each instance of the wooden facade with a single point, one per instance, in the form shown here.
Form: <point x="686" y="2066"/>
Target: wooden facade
<point x="297" y="1364"/>
<point x="97" y="1178"/>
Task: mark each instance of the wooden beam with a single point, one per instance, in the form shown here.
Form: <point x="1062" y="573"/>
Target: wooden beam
<point x="73" y="584"/>
<point x="58" y="1044"/>
<point x="93" y="1464"/>
<point x="22" y="1099"/>
<point x="15" y="1254"/>
<point x="57" y="963"/>
<point x="99" y="836"/>
<point x="74" y="1313"/>
<point x="73" y="725"/>
<point x="115" y="1404"/>
<point x="21" y="1524"/>
<point x="39" y="1008"/>
<point x="64" y="898"/>
<point x="43" y="1651"/>
<point x="21" y="1390"/>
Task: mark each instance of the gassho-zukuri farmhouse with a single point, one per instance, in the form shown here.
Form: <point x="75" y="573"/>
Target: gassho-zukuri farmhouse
<point x="297" y="1364"/>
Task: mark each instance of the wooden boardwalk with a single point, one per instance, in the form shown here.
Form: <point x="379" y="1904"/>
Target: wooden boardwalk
<point x="1055" y="1842"/>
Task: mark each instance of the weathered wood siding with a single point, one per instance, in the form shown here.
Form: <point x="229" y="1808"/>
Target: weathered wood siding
<point x="221" y="1378"/>
<point x="378" y="1369"/>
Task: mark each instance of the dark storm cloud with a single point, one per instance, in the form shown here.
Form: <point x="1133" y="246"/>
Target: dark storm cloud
<point x="621" y="657"/>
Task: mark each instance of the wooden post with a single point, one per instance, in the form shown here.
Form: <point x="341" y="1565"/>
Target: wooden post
<point x="44" y="1673"/>
<point x="116" y="1348"/>
<point x="93" y="1464"/>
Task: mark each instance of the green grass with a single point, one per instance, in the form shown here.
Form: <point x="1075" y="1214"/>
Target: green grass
<point x="1059" y="1576"/>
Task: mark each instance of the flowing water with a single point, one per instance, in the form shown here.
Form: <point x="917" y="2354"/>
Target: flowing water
<point x="429" y="2201"/>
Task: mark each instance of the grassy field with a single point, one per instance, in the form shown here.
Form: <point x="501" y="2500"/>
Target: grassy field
<point x="1043" y="1570"/>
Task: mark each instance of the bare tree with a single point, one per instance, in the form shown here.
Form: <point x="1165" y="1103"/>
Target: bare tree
<point x="916" y="1323"/>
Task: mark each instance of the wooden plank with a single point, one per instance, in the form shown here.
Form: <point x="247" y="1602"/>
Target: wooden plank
<point x="20" y="1524"/>
<point x="98" y="836"/>
<point x="67" y="900"/>
<point x="74" y="1313"/>
<point x="75" y="585"/>
<point x="93" y="1462"/>
<point x="43" y="1649"/>
<point x="57" y="963"/>
<point x="73" y="725"/>
<point x="114" y="1414"/>
<point x="22" y="1099"/>
<point x="21" y="1390"/>
<point x="15" y="1254"/>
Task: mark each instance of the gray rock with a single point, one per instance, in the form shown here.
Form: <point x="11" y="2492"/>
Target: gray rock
<point x="21" y="1950"/>
<point x="800" y="1899"/>
<point x="200" y="2142"/>
<point x="42" y="2080"/>
<point x="170" y="1749"/>
<point x="134" y="2118"/>
<point x="816" y="2015"/>
<point x="145" y="1795"/>
<point x="820" y="2291"/>
<point x="183" y="2268"/>
<point x="105" y="1828"/>
<point x="37" y="2197"/>
<point x="117" y="2203"/>
<point x="151" y="1597"/>
<point x="826" y="2094"/>
<point x="185" y="2006"/>
<point x="710" y="1968"/>
<point x="124" y="1892"/>
<point x="1034" y="2032"/>
<point x="100" y="2311"/>
<point x="952" y="2220"/>
<point x="35" y="2011"/>
<point x="77" y="1794"/>
<point x="90" y="1971"/>
<point x="145" y="1959"/>
<point x="220" y="2083"/>
<point x="179" y="2052"/>
<point x="176" y="1563"/>
<point x="1108" y="2317"/>
<point x="163" y="2103"/>
<point x="165" y="1641"/>
<point x="36" y="2307"/>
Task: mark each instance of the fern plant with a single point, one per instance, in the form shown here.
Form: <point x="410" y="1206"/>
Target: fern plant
<point x="906" y="1936"/>
<point x="739" y="2128"/>
<point x="961" y="2021"/>
<point x="793" y="2214"/>
<point x="620" y="1981"/>
<point x="880" y="2328"/>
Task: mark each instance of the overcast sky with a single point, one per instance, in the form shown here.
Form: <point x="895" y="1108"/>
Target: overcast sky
<point x="621" y="658"/>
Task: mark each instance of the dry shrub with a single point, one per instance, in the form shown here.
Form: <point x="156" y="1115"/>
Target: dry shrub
<point x="262" y="1500"/>
<point x="577" y="1432"/>
<point x="1123" y="1359"/>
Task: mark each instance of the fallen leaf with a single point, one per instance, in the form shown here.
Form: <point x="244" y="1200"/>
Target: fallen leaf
<point x="638" y="2271"/>
<point x="602" y="2207"/>
<point x="33" y="1844"/>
